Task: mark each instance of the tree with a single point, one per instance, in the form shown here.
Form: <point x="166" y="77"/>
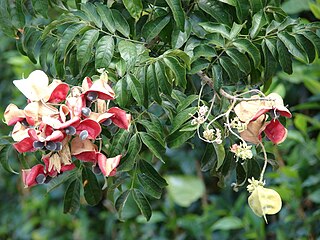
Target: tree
<point x="180" y="68"/>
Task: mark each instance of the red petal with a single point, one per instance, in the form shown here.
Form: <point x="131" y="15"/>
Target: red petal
<point x="68" y="167"/>
<point x="89" y="156"/>
<point x="86" y="83"/>
<point x="93" y="128"/>
<point x="108" y="165"/>
<point x="276" y="132"/>
<point x="59" y="93"/>
<point x="56" y="136"/>
<point x="29" y="175"/>
<point x="119" y="118"/>
<point x="103" y="90"/>
<point x="25" y="145"/>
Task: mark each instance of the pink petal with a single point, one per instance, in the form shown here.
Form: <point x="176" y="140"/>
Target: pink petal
<point x="119" y="117"/>
<point x="276" y="132"/>
<point x="56" y="136"/>
<point x="103" y="90"/>
<point x="25" y="145"/>
<point x="93" y="128"/>
<point x="68" y="167"/>
<point x="83" y="150"/>
<point x="86" y="83"/>
<point x="108" y="165"/>
<point x="59" y="91"/>
<point x="13" y="114"/>
<point x="29" y="175"/>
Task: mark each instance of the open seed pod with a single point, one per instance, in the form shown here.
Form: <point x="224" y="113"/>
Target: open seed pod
<point x="264" y="201"/>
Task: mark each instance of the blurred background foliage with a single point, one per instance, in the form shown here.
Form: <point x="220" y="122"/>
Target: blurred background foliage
<point x="193" y="205"/>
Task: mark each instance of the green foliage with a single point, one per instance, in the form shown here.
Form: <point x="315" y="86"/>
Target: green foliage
<point x="154" y="53"/>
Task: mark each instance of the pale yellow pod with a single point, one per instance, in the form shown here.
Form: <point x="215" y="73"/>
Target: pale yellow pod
<point x="264" y="201"/>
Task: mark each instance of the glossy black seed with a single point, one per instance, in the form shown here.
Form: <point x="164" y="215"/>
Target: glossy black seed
<point x="86" y="111"/>
<point x="38" y="144"/>
<point x="41" y="178"/>
<point x="24" y="122"/>
<point x="70" y="130"/>
<point x="274" y="114"/>
<point x="51" y="146"/>
<point x="58" y="146"/>
<point x="96" y="169"/>
<point x="48" y="179"/>
<point x="107" y="122"/>
<point x="91" y="96"/>
<point x="88" y="103"/>
<point x="83" y="134"/>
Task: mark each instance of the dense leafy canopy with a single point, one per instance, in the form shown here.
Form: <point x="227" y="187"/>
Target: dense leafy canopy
<point x="157" y="55"/>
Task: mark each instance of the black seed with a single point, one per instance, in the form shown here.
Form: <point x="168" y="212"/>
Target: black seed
<point x="91" y="96"/>
<point x="96" y="169"/>
<point x="86" y="111"/>
<point x="88" y="103"/>
<point x="84" y="134"/>
<point x="38" y="144"/>
<point x="274" y="114"/>
<point x="41" y="178"/>
<point x="70" y="130"/>
<point x="24" y="123"/>
<point x="58" y="146"/>
<point x="51" y="146"/>
<point x="48" y="179"/>
<point x="107" y="122"/>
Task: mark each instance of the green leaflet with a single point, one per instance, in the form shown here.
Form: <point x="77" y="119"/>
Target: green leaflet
<point x="128" y="52"/>
<point x="41" y="7"/>
<point x="150" y="186"/>
<point x="142" y="203"/>
<point x="285" y="58"/>
<point x="182" y="117"/>
<point x="247" y="46"/>
<point x="67" y="37"/>
<point x="179" y="138"/>
<point x="118" y="143"/>
<point x="129" y="160"/>
<point x="121" y="24"/>
<point x="85" y="46"/>
<point x="104" y="52"/>
<point x="290" y="42"/>
<point x="258" y="21"/>
<point x="163" y="80"/>
<point x="217" y="77"/>
<point x="178" y="13"/>
<point x="154" y="128"/>
<point x="147" y="169"/>
<point x="308" y="47"/>
<point x="62" y="178"/>
<point x="121" y="202"/>
<point x="178" y="70"/>
<point x="134" y="7"/>
<point x="153" y="84"/>
<point x="121" y="92"/>
<point x="154" y="146"/>
<point x="270" y="64"/>
<point x="136" y="88"/>
<point x="72" y="197"/>
<point x="91" y="13"/>
<point x="91" y="187"/>
<point x="216" y="28"/>
<point x="240" y="60"/>
<point x="5" y="152"/>
<point x="106" y="16"/>
<point x="152" y="28"/>
<point x="221" y="154"/>
<point x="217" y="10"/>
<point x="230" y="68"/>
